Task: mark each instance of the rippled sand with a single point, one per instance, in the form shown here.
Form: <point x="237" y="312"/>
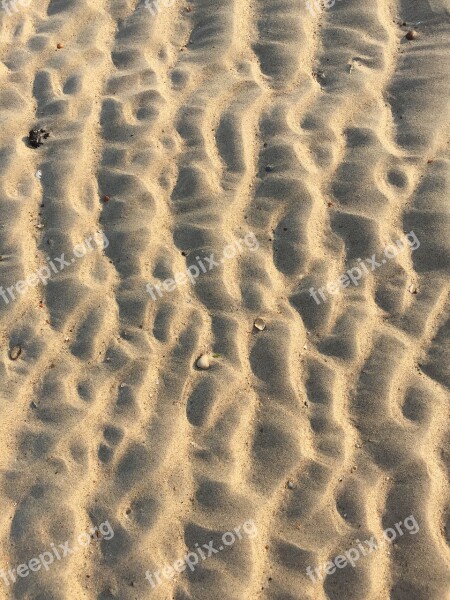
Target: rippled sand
<point x="288" y="145"/>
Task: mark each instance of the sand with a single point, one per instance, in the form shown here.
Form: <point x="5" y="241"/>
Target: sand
<point x="267" y="147"/>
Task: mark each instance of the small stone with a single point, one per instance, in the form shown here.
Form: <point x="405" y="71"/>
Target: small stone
<point x="59" y="46"/>
<point x="203" y="362"/>
<point x="411" y="35"/>
<point x="259" y="324"/>
<point x="15" y="353"/>
<point x="290" y="485"/>
<point x="269" y="168"/>
<point x="106" y="198"/>
<point x="33" y="405"/>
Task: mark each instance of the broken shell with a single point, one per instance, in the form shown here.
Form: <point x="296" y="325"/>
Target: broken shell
<point x="260" y="324"/>
<point x="15" y="353"/>
<point x="203" y="362"/>
<point x="412" y="289"/>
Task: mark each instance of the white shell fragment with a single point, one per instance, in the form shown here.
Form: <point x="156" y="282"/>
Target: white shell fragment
<point x="260" y="324"/>
<point x="203" y="362"/>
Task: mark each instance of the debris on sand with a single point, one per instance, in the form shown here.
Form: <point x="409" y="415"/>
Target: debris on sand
<point x="36" y="136"/>
<point x="259" y="324"/>
<point x="203" y="362"/>
<point x="15" y="352"/>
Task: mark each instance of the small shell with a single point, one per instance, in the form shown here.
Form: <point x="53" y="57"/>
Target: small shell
<point x="412" y="289"/>
<point x="15" y="353"/>
<point x="260" y="324"/>
<point x="203" y="362"/>
<point x="411" y="35"/>
<point x="290" y="485"/>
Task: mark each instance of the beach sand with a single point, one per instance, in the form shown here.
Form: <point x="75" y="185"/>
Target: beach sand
<point x="276" y="149"/>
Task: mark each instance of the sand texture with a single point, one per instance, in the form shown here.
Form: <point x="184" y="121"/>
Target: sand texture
<point x="297" y="148"/>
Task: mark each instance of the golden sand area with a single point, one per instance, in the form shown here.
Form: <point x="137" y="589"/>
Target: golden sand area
<point x="219" y="357"/>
